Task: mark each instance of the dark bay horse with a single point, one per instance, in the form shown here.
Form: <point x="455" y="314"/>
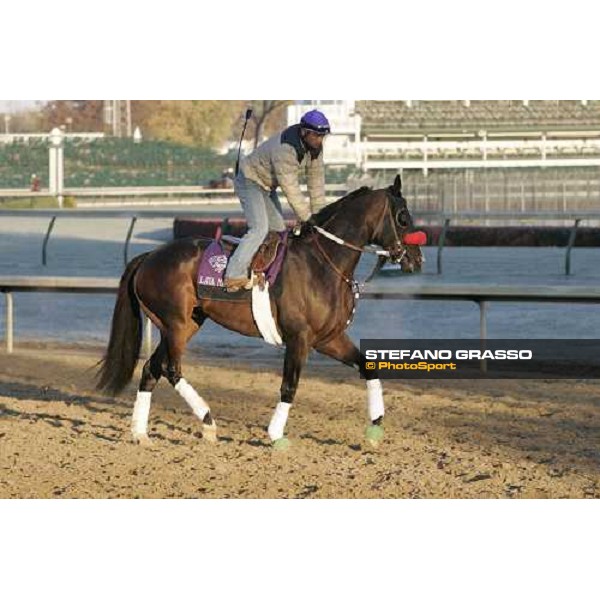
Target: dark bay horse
<point x="312" y="302"/>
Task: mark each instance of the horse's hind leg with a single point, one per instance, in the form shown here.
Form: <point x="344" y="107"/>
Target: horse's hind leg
<point x="153" y="369"/>
<point x="177" y="337"/>
<point x="343" y="349"/>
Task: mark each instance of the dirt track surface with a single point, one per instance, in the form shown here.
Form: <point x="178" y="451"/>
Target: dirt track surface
<point x="59" y="438"/>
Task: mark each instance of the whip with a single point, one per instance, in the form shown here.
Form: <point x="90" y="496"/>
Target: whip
<point x="237" y="162"/>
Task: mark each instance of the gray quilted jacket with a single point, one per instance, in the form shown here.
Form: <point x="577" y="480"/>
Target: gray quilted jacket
<point x="279" y="161"/>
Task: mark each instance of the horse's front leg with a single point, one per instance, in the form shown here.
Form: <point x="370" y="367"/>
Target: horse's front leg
<point x="295" y="358"/>
<point x="343" y="349"/>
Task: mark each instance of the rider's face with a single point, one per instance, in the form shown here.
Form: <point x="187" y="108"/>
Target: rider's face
<point x="313" y="140"/>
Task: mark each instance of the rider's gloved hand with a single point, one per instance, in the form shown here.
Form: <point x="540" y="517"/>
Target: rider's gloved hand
<point x="303" y="226"/>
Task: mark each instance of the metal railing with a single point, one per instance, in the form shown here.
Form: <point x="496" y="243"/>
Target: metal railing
<point x="66" y="285"/>
<point x="205" y="195"/>
<point x="445" y="218"/>
<point x="381" y="289"/>
<point x="576" y="217"/>
<point x="9" y="138"/>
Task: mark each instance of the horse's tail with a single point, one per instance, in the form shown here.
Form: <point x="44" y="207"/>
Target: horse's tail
<point x="121" y="356"/>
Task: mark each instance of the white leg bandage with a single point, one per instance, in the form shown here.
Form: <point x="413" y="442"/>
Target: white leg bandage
<point x="375" y="399"/>
<point x="141" y="410"/>
<point x="189" y="394"/>
<point x="278" y="421"/>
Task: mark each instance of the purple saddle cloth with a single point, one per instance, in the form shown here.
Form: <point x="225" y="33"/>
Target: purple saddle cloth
<point x="215" y="258"/>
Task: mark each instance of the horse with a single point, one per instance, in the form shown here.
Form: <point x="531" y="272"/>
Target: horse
<point x="312" y="302"/>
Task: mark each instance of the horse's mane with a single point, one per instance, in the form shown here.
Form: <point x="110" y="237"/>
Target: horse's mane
<point x="331" y="209"/>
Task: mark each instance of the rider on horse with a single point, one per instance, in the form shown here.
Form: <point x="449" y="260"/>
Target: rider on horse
<point x="277" y="162"/>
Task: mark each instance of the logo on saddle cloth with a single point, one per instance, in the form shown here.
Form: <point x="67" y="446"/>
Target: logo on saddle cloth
<point x="218" y="262"/>
<point x="213" y="265"/>
<point x="266" y="262"/>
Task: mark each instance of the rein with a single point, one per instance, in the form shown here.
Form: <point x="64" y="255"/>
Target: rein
<point x="350" y="282"/>
<point x="354" y="285"/>
<point x="386" y="253"/>
<point x="341" y="242"/>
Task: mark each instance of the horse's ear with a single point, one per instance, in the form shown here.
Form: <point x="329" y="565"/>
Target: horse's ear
<point x="397" y="187"/>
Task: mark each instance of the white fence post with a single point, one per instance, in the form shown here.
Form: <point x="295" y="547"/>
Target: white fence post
<point x="56" y="165"/>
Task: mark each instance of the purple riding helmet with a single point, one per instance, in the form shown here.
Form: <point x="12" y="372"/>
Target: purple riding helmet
<point x="316" y="121"/>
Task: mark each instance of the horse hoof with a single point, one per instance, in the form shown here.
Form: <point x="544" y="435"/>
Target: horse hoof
<point x="209" y="433"/>
<point x="282" y="444"/>
<point x="142" y="439"/>
<point x="374" y="435"/>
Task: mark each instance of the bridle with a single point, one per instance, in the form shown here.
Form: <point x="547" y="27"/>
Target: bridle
<point x="396" y="252"/>
<point x="398" y="249"/>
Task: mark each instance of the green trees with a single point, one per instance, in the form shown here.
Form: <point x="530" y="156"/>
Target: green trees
<point x="212" y="123"/>
<point x="74" y="115"/>
<point x="206" y="123"/>
<point x="199" y="123"/>
<point x="268" y="116"/>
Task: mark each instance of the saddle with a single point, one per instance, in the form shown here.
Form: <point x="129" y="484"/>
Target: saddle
<point x="265" y="266"/>
<point x="265" y="255"/>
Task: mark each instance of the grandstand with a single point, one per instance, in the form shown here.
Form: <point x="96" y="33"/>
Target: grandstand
<point x="479" y="134"/>
<point x="463" y="116"/>
<point x="516" y="155"/>
<point x="398" y="135"/>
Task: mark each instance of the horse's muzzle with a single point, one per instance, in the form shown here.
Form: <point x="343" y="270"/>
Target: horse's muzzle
<point x="397" y="252"/>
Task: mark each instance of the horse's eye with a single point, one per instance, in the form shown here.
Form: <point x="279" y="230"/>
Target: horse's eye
<point x="402" y="218"/>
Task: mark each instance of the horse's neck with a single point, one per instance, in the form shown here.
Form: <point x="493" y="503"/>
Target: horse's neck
<point x="355" y="231"/>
